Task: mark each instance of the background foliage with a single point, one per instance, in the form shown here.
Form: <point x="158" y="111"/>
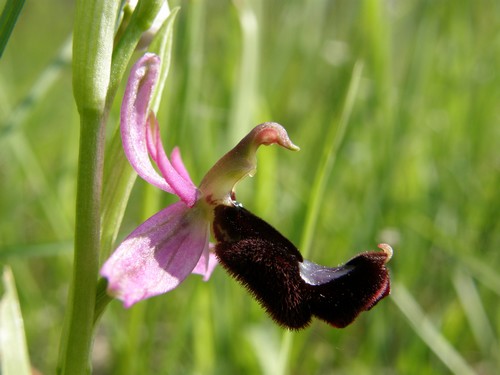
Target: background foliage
<point x="418" y="167"/>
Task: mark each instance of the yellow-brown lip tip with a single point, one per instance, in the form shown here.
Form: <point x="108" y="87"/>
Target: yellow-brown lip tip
<point x="386" y="249"/>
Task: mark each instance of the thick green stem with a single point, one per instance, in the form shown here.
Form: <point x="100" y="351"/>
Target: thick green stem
<point x="92" y="48"/>
<point x="76" y="348"/>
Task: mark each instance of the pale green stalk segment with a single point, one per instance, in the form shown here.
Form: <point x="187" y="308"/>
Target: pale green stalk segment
<point x="92" y="48"/>
<point x="141" y="20"/>
<point x="332" y="144"/>
<point x="13" y="348"/>
<point x="78" y="330"/>
<point x="424" y="328"/>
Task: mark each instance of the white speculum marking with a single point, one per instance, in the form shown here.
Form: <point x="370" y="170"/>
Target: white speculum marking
<point x="315" y="274"/>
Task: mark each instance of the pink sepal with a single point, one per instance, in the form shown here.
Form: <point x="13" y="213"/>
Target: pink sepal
<point x="134" y="118"/>
<point x="158" y="255"/>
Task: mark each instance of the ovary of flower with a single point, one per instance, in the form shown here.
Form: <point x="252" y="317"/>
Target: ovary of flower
<point x="217" y="185"/>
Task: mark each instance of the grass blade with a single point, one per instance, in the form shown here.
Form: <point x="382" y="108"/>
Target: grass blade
<point x="10" y="13"/>
<point x="476" y="314"/>
<point x="332" y="144"/>
<point x="13" y="349"/>
<point x="428" y="332"/>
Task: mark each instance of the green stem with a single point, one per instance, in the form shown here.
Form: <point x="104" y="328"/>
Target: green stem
<point x="76" y="346"/>
<point x="92" y="48"/>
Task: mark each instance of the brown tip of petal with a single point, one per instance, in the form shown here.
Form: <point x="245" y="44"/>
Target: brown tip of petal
<point x="270" y="133"/>
<point x="386" y="249"/>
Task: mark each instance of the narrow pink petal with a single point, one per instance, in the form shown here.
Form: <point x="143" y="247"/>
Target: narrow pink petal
<point x="178" y="164"/>
<point x="207" y="263"/>
<point x="134" y="117"/>
<point x="185" y="189"/>
<point x="153" y="140"/>
<point x="157" y="256"/>
<point x="152" y="129"/>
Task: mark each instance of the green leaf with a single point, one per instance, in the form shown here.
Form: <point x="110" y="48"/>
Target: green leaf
<point x="162" y="46"/>
<point x="13" y="349"/>
<point x="140" y="21"/>
<point x="8" y="20"/>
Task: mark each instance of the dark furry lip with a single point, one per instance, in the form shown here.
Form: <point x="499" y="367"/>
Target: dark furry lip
<point x="293" y="290"/>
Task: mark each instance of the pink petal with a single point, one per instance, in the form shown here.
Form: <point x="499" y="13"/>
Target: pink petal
<point x="156" y="150"/>
<point x="134" y="117"/>
<point x="157" y="256"/>
<point x="185" y="189"/>
<point x="152" y="129"/>
<point x="178" y="164"/>
<point x="207" y="263"/>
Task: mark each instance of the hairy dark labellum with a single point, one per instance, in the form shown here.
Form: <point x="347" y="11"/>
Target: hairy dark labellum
<point x="292" y="289"/>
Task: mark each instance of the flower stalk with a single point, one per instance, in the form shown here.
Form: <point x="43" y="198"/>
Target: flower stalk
<point x="92" y="49"/>
<point x="78" y="330"/>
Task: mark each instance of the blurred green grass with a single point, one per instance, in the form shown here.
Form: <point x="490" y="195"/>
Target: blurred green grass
<point x="418" y="168"/>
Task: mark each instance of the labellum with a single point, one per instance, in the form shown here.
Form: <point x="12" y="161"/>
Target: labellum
<point x="289" y="288"/>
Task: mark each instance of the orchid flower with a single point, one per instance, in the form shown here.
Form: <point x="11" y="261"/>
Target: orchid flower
<point x="157" y="256"/>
